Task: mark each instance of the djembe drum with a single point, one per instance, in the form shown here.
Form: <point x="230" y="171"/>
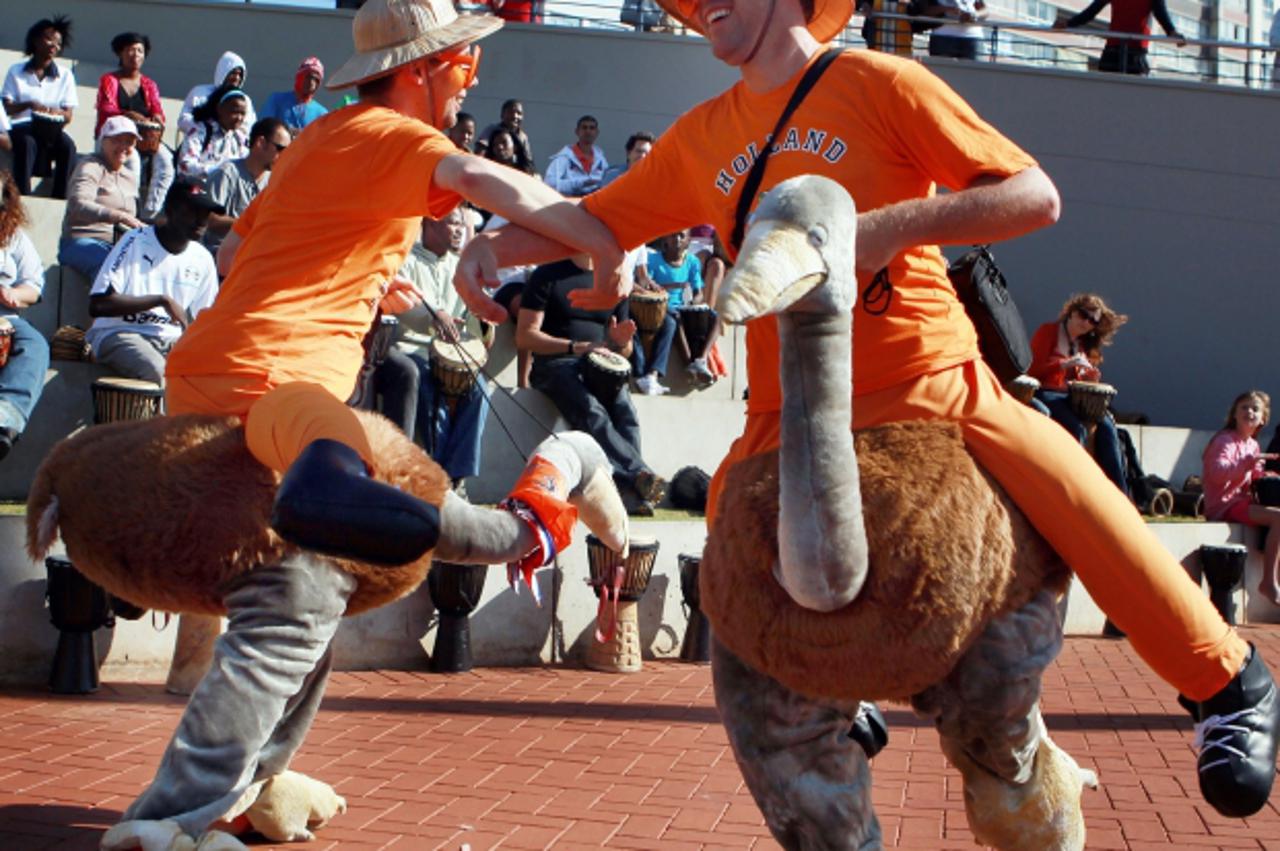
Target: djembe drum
<point x="1023" y="388"/>
<point x="455" y="366"/>
<point x="1223" y="568"/>
<point x="1188" y="504"/>
<point x="1091" y="400"/>
<point x="605" y="373"/>
<point x="117" y="399"/>
<point x="77" y="607"/>
<point x="696" y="646"/>
<point x="697" y="320"/>
<point x="648" y="309"/>
<point x="619" y="583"/>
<point x="455" y="592"/>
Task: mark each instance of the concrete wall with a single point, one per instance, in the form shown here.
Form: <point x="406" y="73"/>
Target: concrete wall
<point x="1168" y="187"/>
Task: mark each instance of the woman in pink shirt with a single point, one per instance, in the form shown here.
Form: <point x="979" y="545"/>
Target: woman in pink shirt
<point x="1232" y="461"/>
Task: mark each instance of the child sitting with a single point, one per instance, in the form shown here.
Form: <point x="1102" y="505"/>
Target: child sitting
<point x="1232" y="462"/>
<point x="674" y="269"/>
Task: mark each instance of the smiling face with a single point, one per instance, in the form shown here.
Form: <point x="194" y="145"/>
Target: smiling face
<point x="232" y="112"/>
<point x="116" y="149"/>
<point x="1250" y="415"/>
<point x="513" y="115"/>
<point x="1081" y="321"/>
<point x="733" y="27"/>
<point x="463" y="133"/>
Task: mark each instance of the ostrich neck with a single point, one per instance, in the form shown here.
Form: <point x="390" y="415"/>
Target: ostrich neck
<point x="822" y="543"/>
<point x="472" y="535"/>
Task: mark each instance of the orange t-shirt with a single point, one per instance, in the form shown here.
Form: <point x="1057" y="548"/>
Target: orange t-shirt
<point x="886" y="129"/>
<point x="343" y="207"/>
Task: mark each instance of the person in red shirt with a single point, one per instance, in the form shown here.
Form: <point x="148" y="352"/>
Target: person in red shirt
<point x="891" y="133"/>
<point x="1070" y="349"/>
<point x="1125" y="55"/>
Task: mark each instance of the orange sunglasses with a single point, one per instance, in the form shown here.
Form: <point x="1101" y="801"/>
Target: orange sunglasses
<point x="465" y="58"/>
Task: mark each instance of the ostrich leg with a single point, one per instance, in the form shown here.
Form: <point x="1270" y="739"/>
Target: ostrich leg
<point x="811" y="781"/>
<point x="1021" y="791"/>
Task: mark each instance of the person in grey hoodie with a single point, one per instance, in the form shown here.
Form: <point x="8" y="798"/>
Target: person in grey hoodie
<point x="230" y="67"/>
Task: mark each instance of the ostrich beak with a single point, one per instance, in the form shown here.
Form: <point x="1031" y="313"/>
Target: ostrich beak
<point x="778" y="266"/>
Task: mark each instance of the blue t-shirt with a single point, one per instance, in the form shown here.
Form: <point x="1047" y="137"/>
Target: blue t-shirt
<point x="285" y="106"/>
<point x="674" y="278"/>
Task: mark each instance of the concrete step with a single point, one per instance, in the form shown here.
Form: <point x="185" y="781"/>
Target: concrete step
<point x="507" y="628"/>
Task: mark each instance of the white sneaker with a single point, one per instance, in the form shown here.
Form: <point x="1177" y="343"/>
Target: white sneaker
<point x="658" y="387"/>
<point x="701" y="371"/>
<point x="645" y="385"/>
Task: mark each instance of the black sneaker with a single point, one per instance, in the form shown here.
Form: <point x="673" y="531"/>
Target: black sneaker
<point x="1236" y="736"/>
<point x="869" y="729"/>
<point x="650" y="486"/>
<point x="8" y="437"/>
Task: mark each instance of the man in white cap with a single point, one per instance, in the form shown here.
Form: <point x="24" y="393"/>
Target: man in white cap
<point x="308" y="264"/>
<point x="890" y="132"/>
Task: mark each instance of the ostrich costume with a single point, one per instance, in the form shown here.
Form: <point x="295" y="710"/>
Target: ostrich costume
<point x="881" y="565"/>
<point x="189" y="531"/>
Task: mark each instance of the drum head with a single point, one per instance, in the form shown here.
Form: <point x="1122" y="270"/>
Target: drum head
<point x="610" y="361"/>
<point x="468" y="353"/>
<point x="6" y="327"/>
<point x="134" y="385"/>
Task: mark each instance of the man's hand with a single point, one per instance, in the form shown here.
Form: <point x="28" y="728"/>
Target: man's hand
<point x="9" y="299"/>
<point x="610" y="287"/>
<point x="176" y="312"/>
<point x="478" y="269"/>
<point x="620" y="333"/>
<point x="446" y="328"/>
<point x="401" y="296"/>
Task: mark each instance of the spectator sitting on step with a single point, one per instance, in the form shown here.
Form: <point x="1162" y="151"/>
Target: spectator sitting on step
<point x="126" y="90"/>
<point x="236" y="183"/>
<point x="1232" y="463"/>
<point x="577" y="169"/>
<point x="463" y="132"/>
<point x="638" y="147"/>
<point x="219" y="134"/>
<point x="21" y="282"/>
<point x="102" y="201"/>
<point x="299" y="107"/>
<point x="500" y="147"/>
<point x="451" y="437"/>
<point x="39" y="98"/>
<point x="560" y="336"/>
<point x="1070" y="349"/>
<point x="230" y="72"/>
<point x="156" y="171"/>
<point x="512" y="120"/>
<point x="153" y="283"/>
<point x="673" y="270"/>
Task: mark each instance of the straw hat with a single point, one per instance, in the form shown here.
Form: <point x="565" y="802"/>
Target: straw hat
<point x="391" y="33"/>
<point x="829" y="17"/>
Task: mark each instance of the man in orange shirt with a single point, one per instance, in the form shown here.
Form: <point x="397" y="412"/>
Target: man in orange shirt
<point x="890" y="132"/>
<point x="314" y="256"/>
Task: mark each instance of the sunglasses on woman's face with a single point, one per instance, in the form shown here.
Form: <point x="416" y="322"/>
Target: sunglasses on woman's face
<point x="1092" y="318"/>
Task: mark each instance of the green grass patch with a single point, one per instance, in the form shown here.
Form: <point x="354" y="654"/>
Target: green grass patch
<point x="13" y="508"/>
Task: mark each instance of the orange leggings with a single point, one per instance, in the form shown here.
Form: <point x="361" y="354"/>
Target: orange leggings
<point x="1097" y="531"/>
<point x="280" y="421"/>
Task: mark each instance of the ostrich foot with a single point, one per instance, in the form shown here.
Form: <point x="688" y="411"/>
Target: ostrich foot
<point x="1042" y="814"/>
<point x="148" y="836"/>
<point x="290" y="805"/>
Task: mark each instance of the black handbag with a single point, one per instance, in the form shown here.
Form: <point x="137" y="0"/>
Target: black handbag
<point x="1002" y="338"/>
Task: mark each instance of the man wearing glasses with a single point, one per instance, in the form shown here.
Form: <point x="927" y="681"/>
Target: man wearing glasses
<point x="307" y="265"/>
<point x="235" y="183"/>
<point x="890" y="132"/>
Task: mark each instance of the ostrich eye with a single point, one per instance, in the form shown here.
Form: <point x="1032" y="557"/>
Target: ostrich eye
<point x="817" y="236"/>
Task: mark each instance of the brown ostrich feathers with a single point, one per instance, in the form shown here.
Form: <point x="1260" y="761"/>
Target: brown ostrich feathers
<point x="165" y="513"/>
<point x="948" y="552"/>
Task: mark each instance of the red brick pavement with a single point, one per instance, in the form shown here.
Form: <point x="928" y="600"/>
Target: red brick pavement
<point x="563" y="758"/>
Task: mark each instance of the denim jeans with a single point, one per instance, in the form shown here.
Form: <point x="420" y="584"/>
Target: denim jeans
<point x="84" y="255"/>
<point x="22" y="378"/>
<point x="641" y="362"/>
<point x="613" y="423"/>
<point x="452" y="439"/>
<point x="1106" y="442"/>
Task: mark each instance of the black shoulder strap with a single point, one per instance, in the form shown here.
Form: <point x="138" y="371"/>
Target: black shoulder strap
<point x="752" y="184"/>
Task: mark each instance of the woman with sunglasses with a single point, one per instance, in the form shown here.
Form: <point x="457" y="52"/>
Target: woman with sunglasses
<point x="1070" y="349"/>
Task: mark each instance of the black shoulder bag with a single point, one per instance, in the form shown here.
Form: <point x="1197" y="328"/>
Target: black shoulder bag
<point x="1002" y="338"/>
<point x="752" y="184"/>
